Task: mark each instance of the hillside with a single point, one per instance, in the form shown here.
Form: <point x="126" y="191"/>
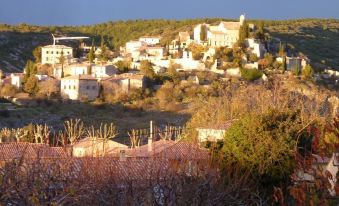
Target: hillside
<point x="316" y="38"/>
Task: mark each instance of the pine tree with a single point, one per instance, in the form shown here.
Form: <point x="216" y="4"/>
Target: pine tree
<point x="91" y="55"/>
<point x="30" y="69"/>
<point x="284" y="65"/>
<point x="307" y="72"/>
<point x="261" y="32"/>
<point x="62" y="60"/>
<point x="37" y="54"/>
<point x="31" y="85"/>
<point x="297" y="68"/>
<point x="203" y="33"/>
<point x="103" y="54"/>
<point x="281" y="50"/>
<point x="243" y="34"/>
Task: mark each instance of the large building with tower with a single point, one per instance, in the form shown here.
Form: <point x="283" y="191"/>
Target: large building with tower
<point x="224" y="34"/>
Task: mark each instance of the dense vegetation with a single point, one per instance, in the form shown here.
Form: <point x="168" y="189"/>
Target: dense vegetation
<point x="316" y="38"/>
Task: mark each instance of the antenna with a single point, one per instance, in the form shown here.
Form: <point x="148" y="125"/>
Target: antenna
<point x="57" y="39"/>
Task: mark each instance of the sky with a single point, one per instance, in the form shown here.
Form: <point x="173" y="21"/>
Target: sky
<point x="85" y="12"/>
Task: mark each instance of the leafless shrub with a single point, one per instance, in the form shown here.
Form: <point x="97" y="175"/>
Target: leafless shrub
<point x="41" y="133"/>
<point x="135" y="136"/>
<point x="74" y="129"/>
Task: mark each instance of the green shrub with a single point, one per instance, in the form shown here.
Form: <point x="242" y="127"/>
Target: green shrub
<point x="251" y="74"/>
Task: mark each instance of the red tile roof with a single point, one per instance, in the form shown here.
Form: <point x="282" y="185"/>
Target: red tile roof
<point x="81" y="77"/>
<point x="168" y="149"/>
<point x="137" y="170"/>
<point x="230" y="25"/>
<point x="13" y="150"/>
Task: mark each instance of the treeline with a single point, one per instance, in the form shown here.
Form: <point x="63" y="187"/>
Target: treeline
<point x="117" y="33"/>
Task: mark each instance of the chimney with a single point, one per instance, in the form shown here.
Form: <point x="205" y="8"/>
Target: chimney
<point x="150" y="138"/>
<point x="122" y="155"/>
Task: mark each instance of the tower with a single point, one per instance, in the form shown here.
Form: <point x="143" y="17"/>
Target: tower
<point x="242" y="19"/>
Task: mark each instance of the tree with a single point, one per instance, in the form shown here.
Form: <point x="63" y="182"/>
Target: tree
<point x="284" y="64"/>
<point x="91" y="55"/>
<point x="173" y="73"/>
<point x="146" y="69"/>
<point x="62" y="60"/>
<point x="73" y="129"/>
<point x="224" y="53"/>
<point x="31" y="86"/>
<point x="49" y="87"/>
<point x="267" y="61"/>
<point x="8" y="90"/>
<point x="166" y="94"/>
<point x="30" y="70"/>
<point x="197" y="51"/>
<point x="260" y="32"/>
<point x="37" y="54"/>
<point x="104" y="52"/>
<point x="307" y="72"/>
<point x="253" y="57"/>
<point x="123" y="66"/>
<point x="203" y="33"/>
<point x="297" y="68"/>
<point x="251" y="74"/>
<point x="282" y="50"/>
<point x="243" y="34"/>
<point x="263" y="144"/>
<point x="45" y="69"/>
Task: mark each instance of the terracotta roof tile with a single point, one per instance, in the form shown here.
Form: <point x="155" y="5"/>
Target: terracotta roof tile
<point x="169" y="149"/>
<point x="13" y="150"/>
<point x="81" y="77"/>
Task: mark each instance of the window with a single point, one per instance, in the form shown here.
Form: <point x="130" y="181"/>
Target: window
<point x="65" y="87"/>
<point x="93" y="87"/>
<point x="74" y="87"/>
<point x="69" y="87"/>
<point x="47" y="52"/>
<point x="68" y="52"/>
<point x="47" y="59"/>
<point x="87" y="87"/>
<point x="51" y="52"/>
<point x="57" y="52"/>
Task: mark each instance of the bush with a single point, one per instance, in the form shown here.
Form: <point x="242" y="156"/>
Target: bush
<point x="123" y="66"/>
<point x="251" y="74"/>
<point x="263" y="143"/>
<point x="8" y="90"/>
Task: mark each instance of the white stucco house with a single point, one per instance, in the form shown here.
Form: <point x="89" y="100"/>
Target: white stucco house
<point x="100" y="71"/>
<point x="125" y="81"/>
<point x="78" y="69"/>
<point x="184" y="39"/>
<point x="50" y="54"/>
<point x="133" y="46"/>
<point x="213" y="133"/>
<point x="188" y="63"/>
<point x="150" y="40"/>
<point x="17" y="79"/>
<point x="157" y="52"/>
<point x="96" y="147"/>
<point x="79" y="87"/>
<point x="256" y="47"/>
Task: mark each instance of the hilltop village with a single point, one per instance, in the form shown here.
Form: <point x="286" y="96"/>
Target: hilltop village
<point x="226" y="50"/>
<point x="257" y="113"/>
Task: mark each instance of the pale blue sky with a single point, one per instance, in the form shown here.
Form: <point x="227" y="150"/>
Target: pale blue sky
<point x="76" y="12"/>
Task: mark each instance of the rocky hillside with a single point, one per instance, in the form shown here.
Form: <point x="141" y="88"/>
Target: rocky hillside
<point x="316" y="38"/>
